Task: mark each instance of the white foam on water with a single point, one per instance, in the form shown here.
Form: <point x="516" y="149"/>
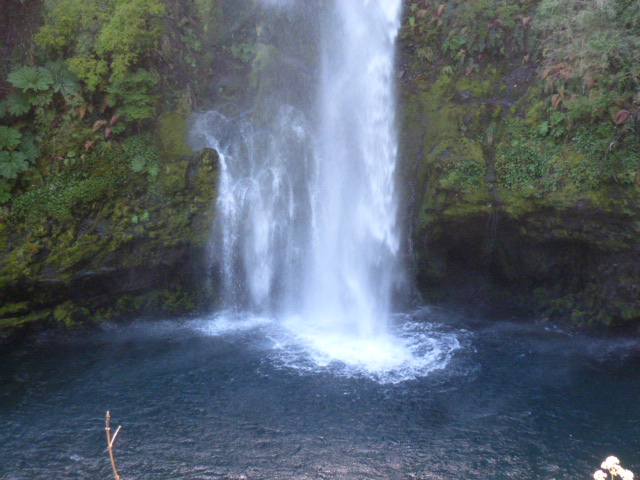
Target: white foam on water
<point x="412" y="349"/>
<point x="409" y="350"/>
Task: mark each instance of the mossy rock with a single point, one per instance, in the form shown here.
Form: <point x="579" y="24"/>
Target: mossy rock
<point x="172" y="131"/>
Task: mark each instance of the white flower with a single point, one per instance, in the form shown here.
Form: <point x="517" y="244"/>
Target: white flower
<point x="626" y="474"/>
<point x="610" y="463"/>
<point x="599" y="475"/>
<point x="616" y="470"/>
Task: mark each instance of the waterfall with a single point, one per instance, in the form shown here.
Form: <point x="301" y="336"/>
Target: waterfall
<point x="354" y="239"/>
<point x="306" y="228"/>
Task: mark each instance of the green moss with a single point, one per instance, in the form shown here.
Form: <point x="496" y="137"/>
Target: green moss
<point x="70" y="314"/>
<point x="34" y="317"/>
<point x="14" y="309"/>
<point x="451" y="169"/>
<point x="173" y="178"/>
<point x="479" y="85"/>
<point x="172" y="130"/>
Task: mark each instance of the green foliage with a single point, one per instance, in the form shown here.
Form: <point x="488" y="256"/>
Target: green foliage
<point x="525" y="162"/>
<point x="98" y="175"/>
<point x="9" y="137"/>
<point x="606" y="160"/>
<point x="72" y="25"/>
<point x="142" y="154"/>
<point x="65" y="82"/>
<point x="38" y="86"/>
<point x="34" y="79"/>
<point x="591" y="68"/>
<point x="589" y="42"/>
<point x="136" y="94"/>
<point x="464" y="31"/>
<point x="93" y="71"/>
<point x="463" y="174"/>
<point x="12" y="163"/>
<point x="5" y="191"/>
<point x="16" y="152"/>
<point x="19" y="103"/>
<point x="105" y="40"/>
<point x="131" y="32"/>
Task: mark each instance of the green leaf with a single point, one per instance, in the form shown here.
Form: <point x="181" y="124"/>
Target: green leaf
<point x="31" y="78"/>
<point x="153" y="171"/>
<point x="19" y="103"/>
<point x="9" y="137"/>
<point x="65" y="82"/>
<point x="12" y="163"/>
<point x="29" y="148"/>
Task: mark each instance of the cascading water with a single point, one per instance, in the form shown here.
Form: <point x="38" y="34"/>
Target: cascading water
<point x="354" y="242"/>
<point x="307" y="208"/>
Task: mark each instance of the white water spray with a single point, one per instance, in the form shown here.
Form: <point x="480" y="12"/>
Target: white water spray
<point x="307" y="203"/>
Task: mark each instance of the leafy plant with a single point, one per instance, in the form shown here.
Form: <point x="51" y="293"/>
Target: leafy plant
<point x="136" y="94"/>
<point x="35" y="79"/>
<point x="65" y="82"/>
<point x="525" y="162"/>
<point x="9" y="137"/>
<point x="19" y="103"/>
<point x="15" y="154"/>
<point x="588" y="42"/>
<point x="131" y="32"/>
<point x="97" y="176"/>
<point x="102" y="41"/>
<point x="590" y="65"/>
<point x="142" y="154"/>
<point x="464" y="31"/>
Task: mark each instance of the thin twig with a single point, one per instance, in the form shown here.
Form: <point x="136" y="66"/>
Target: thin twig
<point x="110" y="442"/>
<point x="113" y="439"/>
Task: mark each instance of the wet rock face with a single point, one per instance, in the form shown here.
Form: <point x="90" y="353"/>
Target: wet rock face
<point x="139" y="254"/>
<point x="569" y="255"/>
<point x="496" y="212"/>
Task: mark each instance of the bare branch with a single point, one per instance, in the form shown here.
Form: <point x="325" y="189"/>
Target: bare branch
<point x="110" y="442"/>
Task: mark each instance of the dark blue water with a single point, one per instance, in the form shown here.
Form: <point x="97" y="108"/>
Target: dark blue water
<point x="515" y="400"/>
